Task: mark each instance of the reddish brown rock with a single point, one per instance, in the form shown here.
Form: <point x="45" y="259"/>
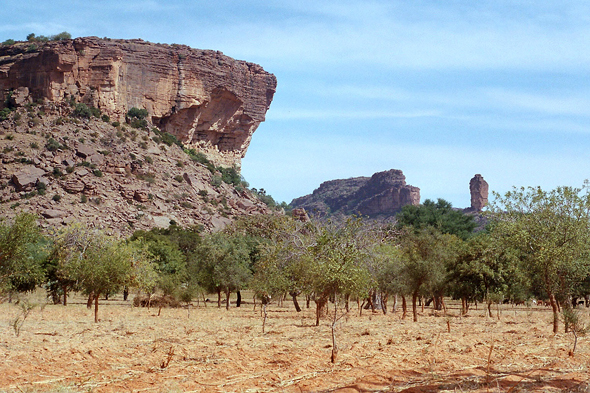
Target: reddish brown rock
<point x="300" y="215"/>
<point x="73" y="186"/>
<point x="26" y="179"/>
<point x="141" y="196"/>
<point x="479" y="192"/>
<point x="206" y="99"/>
<point x="383" y="194"/>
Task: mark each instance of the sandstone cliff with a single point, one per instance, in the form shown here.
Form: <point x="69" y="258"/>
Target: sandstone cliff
<point x="100" y="171"/>
<point x="383" y="194"/>
<point x="207" y="100"/>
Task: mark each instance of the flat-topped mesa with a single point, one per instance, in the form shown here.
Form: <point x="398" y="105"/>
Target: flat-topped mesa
<point x="206" y="99"/>
<point x="382" y="194"/>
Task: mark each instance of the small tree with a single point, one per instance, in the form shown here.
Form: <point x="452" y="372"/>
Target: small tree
<point x="550" y="231"/>
<point x="21" y="254"/>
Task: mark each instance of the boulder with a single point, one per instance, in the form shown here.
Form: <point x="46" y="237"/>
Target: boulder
<point x="26" y="179"/>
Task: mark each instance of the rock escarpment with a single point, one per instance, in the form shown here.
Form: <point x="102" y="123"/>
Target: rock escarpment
<point x="206" y="99"/>
<point x="382" y="194"/>
<point x="107" y="173"/>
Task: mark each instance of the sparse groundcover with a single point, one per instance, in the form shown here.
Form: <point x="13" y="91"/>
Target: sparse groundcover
<point x="210" y="350"/>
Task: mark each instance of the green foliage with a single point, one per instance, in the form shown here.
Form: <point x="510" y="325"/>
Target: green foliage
<point x="230" y="175"/>
<point x="97" y="172"/>
<point x="9" y="41"/>
<point x="82" y="110"/>
<point x="4" y="112"/>
<point x="64" y="35"/>
<point x="549" y="231"/>
<point x="21" y="252"/>
<point x="53" y="145"/>
<point x="439" y="215"/>
<point x="221" y="263"/>
<point x="216" y="181"/>
<point x="56" y="197"/>
<point x="179" y="178"/>
<point x="137" y="113"/>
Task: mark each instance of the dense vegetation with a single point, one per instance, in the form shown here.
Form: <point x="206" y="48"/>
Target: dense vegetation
<point x="535" y="246"/>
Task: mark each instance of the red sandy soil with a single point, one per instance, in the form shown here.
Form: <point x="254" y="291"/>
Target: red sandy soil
<point x="61" y="349"/>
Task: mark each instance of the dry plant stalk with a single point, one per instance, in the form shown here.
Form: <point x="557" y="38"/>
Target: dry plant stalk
<point x="168" y="359"/>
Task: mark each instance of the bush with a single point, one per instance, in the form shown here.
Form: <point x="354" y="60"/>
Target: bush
<point x="216" y="181"/>
<point x="179" y="178"/>
<point x="56" y="197"/>
<point x="97" y="173"/>
<point x="4" y="114"/>
<point x="148" y="159"/>
<point x="9" y="41"/>
<point x="105" y="118"/>
<point x="137" y="113"/>
<point x="64" y="35"/>
<point x="82" y="110"/>
<point x="95" y="112"/>
<point x="115" y="123"/>
<point x="53" y="145"/>
<point x="83" y="198"/>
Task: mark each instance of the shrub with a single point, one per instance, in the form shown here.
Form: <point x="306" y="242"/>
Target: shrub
<point x="97" y="173"/>
<point x="9" y="137"/>
<point x="9" y="41"/>
<point x="216" y="181"/>
<point x="95" y="112"/>
<point x="57" y="172"/>
<point x="137" y="113"/>
<point x="106" y="118"/>
<point x="115" y="124"/>
<point x="179" y="178"/>
<point x="148" y="159"/>
<point x="64" y="35"/>
<point x="32" y="48"/>
<point x="83" y="198"/>
<point x="4" y="114"/>
<point x="56" y="197"/>
<point x="41" y="187"/>
<point x="81" y="110"/>
<point x="53" y="145"/>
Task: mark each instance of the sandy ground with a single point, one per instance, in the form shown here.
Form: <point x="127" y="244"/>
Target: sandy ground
<point x="61" y="349"/>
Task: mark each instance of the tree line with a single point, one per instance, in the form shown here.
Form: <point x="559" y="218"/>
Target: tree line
<point x="535" y="245"/>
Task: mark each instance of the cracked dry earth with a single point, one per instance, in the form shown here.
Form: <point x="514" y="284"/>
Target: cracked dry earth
<point x="60" y="349"/>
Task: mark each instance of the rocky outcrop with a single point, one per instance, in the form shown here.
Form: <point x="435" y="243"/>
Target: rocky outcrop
<point x="382" y="194"/>
<point x="479" y="193"/>
<point x="207" y="100"/>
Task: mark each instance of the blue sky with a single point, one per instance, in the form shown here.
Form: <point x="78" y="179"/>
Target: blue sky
<point x="440" y="90"/>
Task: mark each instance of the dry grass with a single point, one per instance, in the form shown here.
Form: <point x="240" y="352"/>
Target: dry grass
<point x="133" y="350"/>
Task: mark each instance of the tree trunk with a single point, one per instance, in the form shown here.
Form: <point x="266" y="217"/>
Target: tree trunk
<point x="227" y="293"/>
<point x="415" y="305"/>
<point x="295" y="302"/>
<point x="239" y="300"/>
<point x="404" y="307"/>
<point x="555" y="313"/>
<point x="65" y="289"/>
<point x="219" y="298"/>
<point x="319" y="306"/>
<point x="89" y="301"/>
<point x="334" y="344"/>
<point x="96" y="308"/>
<point x="490" y="309"/>
<point x="384" y="297"/>
<point x="307" y="301"/>
<point x="394" y="308"/>
<point x="346" y="302"/>
<point x="125" y="293"/>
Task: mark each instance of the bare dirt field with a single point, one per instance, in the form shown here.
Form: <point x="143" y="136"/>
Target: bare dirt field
<point x="61" y="349"/>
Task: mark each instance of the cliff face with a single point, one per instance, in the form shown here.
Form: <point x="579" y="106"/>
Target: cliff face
<point x="67" y="168"/>
<point x="206" y="99"/>
<point x="382" y="194"/>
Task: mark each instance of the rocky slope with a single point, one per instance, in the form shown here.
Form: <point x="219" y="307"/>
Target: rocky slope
<point x="102" y="172"/>
<point x="207" y="100"/>
<point x="382" y="194"/>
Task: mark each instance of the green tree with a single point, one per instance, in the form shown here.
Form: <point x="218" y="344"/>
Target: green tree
<point x="21" y="254"/>
<point x="96" y="262"/>
<point x="425" y="254"/>
<point x="439" y="215"/>
<point x="551" y="233"/>
<point x="222" y="264"/>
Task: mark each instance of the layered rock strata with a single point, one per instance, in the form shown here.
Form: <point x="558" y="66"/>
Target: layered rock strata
<point x="206" y="99"/>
